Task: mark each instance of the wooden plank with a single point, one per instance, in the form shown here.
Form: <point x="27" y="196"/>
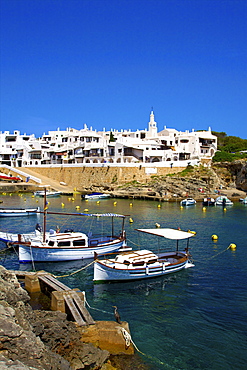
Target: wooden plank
<point x="84" y="312"/>
<point x="55" y="281"/>
<point x="50" y="283"/>
<point x="74" y="311"/>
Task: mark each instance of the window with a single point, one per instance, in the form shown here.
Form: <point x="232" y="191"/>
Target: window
<point x="64" y="244"/>
<point x="79" y="243"/>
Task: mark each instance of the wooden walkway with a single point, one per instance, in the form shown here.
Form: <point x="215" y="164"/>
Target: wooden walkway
<point x="64" y="299"/>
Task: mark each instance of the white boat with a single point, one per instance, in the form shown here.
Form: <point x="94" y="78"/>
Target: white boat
<point x="144" y="264"/>
<point x="244" y="200"/>
<point x="223" y="201"/>
<point x="188" y="202"/>
<point x="42" y="193"/>
<point x="69" y="245"/>
<point x="7" y="212"/>
<point x="93" y="196"/>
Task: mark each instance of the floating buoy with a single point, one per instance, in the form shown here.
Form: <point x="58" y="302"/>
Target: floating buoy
<point x="158" y="205"/>
<point x="115" y="203"/>
<point x="157" y="225"/>
<point x="77" y="207"/>
<point x="204" y="209"/>
<point x="37" y="201"/>
<point x="131" y="204"/>
<point x="131" y="220"/>
<point x="232" y="246"/>
<point x="32" y="196"/>
<point x="48" y="203"/>
<point x="224" y="209"/>
<point x="86" y="200"/>
<point x="24" y="199"/>
<point x="98" y="202"/>
<point x="62" y="204"/>
<point x="181" y="207"/>
<point x="85" y="210"/>
<point x="73" y="199"/>
<point x="214" y="237"/>
<point x="69" y="199"/>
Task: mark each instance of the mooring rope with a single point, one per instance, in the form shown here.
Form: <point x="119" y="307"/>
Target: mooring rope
<point x="128" y="340"/>
<point x="214" y="256"/>
<point x="73" y="273"/>
<point x="138" y="245"/>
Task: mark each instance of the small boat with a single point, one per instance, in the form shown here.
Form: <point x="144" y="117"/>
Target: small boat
<point x="188" y="202"/>
<point x="96" y="196"/>
<point x="69" y="245"/>
<point x="9" y="178"/>
<point x="244" y="200"/>
<point x="7" y="212"/>
<point x="144" y="263"/>
<point x="41" y="193"/>
<point x="208" y="202"/>
<point x="223" y="201"/>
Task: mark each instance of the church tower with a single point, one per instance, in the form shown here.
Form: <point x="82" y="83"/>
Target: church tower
<point x="152" y="126"/>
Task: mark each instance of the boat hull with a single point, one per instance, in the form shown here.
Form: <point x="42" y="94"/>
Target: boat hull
<point x="18" y="213"/>
<point x="103" y="273"/>
<point x="29" y="253"/>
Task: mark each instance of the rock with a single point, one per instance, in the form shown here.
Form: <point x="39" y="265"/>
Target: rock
<point x="107" y="335"/>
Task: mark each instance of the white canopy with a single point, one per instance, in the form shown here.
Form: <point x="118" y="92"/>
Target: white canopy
<point x="168" y="233"/>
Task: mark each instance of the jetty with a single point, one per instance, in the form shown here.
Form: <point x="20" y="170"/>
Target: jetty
<point x="63" y="298"/>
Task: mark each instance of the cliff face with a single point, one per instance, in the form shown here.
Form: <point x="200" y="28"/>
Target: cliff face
<point x="233" y="174"/>
<point x="196" y="182"/>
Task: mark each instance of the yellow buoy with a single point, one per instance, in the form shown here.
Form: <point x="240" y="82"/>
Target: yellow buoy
<point x="214" y="237"/>
<point x="85" y="210"/>
<point x="157" y="225"/>
<point x="232" y="246"/>
<point x="115" y="203"/>
<point x="159" y="206"/>
<point x="224" y="209"/>
<point x="131" y="204"/>
<point x="98" y="202"/>
<point x="24" y="199"/>
<point x="131" y="220"/>
<point x="62" y="204"/>
<point x="181" y="207"/>
<point x="73" y="199"/>
<point x="32" y="196"/>
<point x="86" y="200"/>
<point x="77" y="207"/>
<point x="69" y="199"/>
<point x="204" y="209"/>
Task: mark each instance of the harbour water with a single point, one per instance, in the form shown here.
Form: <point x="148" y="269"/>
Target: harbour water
<point x="193" y="319"/>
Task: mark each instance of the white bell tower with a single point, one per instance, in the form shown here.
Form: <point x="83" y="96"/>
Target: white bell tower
<point x="152" y="126"/>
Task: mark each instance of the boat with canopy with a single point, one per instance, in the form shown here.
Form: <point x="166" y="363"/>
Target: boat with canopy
<point x="143" y="264"/>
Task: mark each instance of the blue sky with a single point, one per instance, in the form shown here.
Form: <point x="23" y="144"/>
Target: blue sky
<point x="106" y="63"/>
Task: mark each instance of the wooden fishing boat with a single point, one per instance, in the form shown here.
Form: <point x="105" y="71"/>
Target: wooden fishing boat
<point x="8" y="212"/>
<point x="9" y="178"/>
<point x="144" y="264"/>
<point x="69" y="245"/>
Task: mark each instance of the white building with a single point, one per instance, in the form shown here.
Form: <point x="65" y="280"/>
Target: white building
<point x="84" y="146"/>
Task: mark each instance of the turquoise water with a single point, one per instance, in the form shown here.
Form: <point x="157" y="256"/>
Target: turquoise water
<point x="194" y="319"/>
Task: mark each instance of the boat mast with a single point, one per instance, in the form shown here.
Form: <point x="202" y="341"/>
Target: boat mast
<point x="45" y="213"/>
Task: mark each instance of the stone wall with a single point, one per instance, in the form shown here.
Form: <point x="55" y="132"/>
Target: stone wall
<point x="85" y="177"/>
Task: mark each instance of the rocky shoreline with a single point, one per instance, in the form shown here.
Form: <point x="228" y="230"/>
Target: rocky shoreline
<point x="46" y="340"/>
